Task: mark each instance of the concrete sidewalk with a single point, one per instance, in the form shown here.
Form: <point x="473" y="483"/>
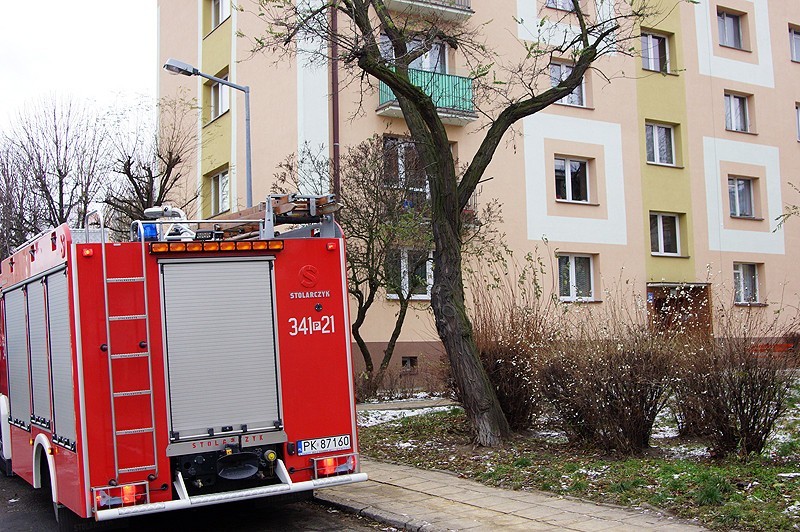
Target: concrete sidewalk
<point x="418" y="500"/>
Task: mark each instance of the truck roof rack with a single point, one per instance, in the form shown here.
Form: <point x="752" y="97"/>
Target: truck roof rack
<point x="308" y="216"/>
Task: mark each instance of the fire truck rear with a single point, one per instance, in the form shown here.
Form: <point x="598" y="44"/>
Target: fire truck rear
<point x="202" y="362"/>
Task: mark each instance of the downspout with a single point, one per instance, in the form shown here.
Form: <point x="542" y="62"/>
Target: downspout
<point x="335" y="101"/>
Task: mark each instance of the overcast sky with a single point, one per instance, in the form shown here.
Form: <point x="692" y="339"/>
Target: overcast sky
<point x="99" y="49"/>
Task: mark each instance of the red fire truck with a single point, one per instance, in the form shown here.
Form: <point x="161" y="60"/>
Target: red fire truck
<point x="199" y="363"/>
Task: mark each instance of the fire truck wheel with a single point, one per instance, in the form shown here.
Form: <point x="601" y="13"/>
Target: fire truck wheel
<point x="5" y="467"/>
<point x="68" y="521"/>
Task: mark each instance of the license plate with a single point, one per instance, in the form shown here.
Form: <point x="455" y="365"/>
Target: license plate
<point x="323" y="445"/>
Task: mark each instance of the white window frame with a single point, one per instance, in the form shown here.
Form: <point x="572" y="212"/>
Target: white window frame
<point x="405" y="280"/>
<point x="573" y="287"/>
<point x="660" y="221"/>
<point x="657" y="143"/>
<point x="425" y="62"/>
<point x="564" y="70"/>
<point x="797" y="118"/>
<point x="649" y="42"/>
<point x="739" y="282"/>
<point x="220" y="99"/>
<point x="220" y="192"/>
<point x="220" y="11"/>
<point x="568" y="177"/>
<point x="561" y="5"/>
<point x="737" y="103"/>
<point x="794" y="44"/>
<point x="733" y="193"/>
<point x="733" y="40"/>
<point x="402" y="177"/>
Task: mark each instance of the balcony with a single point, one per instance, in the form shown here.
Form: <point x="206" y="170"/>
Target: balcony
<point x="446" y="9"/>
<point x="452" y="96"/>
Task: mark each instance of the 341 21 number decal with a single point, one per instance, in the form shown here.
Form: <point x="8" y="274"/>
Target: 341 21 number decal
<point x="308" y="325"/>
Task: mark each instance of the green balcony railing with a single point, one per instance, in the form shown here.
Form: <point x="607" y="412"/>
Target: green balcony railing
<point x="463" y="4"/>
<point x="448" y="92"/>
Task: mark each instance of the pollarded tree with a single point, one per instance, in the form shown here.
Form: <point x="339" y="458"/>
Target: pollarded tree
<point x="371" y="42"/>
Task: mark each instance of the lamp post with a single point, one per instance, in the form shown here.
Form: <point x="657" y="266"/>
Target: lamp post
<point x="173" y="66"/>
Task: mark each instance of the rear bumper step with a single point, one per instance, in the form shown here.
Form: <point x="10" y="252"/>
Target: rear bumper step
<point x="185" y="501"/>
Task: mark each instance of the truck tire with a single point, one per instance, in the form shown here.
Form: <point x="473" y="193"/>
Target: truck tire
<point x="68" y="521"/>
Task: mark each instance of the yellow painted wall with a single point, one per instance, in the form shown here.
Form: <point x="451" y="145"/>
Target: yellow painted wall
<point x="661" y="98"/>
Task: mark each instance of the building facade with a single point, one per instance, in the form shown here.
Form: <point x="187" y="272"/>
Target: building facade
<point x="668" y="168"/>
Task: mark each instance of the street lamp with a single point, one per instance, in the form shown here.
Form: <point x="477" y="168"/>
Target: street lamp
<point x="173" y="66"/>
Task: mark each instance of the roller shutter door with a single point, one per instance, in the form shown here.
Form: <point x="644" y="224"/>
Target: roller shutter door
<point x="220" y="343"/>
<point x="61" y="359"/>
<point x="40" y="378"/>
<point x="17" y="356"/>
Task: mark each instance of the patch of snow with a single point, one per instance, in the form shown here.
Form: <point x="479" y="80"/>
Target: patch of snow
<point x="551" y="435"/>
<point x="593" y="473"/>
<point x="369" y="418"/>
<point x="663" y="432"/>
<point x="406" y="444"/>
<point x="687" y="451"/>
<point x="12" y="501"/>
<point x="789" y="475"/>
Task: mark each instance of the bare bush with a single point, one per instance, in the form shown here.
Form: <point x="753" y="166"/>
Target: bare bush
<point x="736" y="385"/>
<point x="610" y="373"/>
<point x="608" y="386"/>
<point x="513" y="324"/>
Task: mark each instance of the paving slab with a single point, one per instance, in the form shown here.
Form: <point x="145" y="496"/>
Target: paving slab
<point x="432" y="501"/>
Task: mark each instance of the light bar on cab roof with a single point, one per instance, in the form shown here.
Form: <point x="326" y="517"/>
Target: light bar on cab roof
<point x="195" y="246"/>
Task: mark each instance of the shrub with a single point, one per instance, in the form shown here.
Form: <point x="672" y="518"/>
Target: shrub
<point x="611" y="374"/>
<point x="737" y="383"/>
<point x="512" y="324"/>
<point x="607" y="387"/>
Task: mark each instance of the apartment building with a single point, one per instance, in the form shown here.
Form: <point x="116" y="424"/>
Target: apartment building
<point x="666" y="170"/>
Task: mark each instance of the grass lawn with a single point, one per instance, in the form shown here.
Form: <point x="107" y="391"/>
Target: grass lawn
<point x="676" y="476"/>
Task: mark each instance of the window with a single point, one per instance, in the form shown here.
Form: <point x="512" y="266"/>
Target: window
<point x="660" y="145"/>
<point x="575" y="278"/>
<point x="434" y="60"/>
<point x="655" y="54"/>
<point x="736" y="117"/>
<point x="740" y="194"/>
<point x="409" y="272"/>
<point x="558" y="73"/>
<point x="564" y="5"/>
<point x="730" y="30"/>
<point x="572" y="180"/>
<point x="794" y="43"/>
<point x="220" y="10"/>
<point x="745" y="283"/>
<point x="220" y="99"/>
<point x="220" y="193"/>
<point x="409" y="364"/>
<point x="664" y="234"/>
<point x="403" y="170"/>
<point x="797" y="115"/>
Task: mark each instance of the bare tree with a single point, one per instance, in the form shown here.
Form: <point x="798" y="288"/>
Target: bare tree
<point x="19" y="218"/>
<point x="60" y="151"/>
<point x="386" y="213"/>
<point x="376" y="43"/>
<point x="150" y="151"/>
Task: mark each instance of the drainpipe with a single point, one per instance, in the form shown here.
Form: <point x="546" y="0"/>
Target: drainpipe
<point x="335" y="102"/>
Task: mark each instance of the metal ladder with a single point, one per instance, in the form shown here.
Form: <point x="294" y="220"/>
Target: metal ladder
<point x="113" y="355"/>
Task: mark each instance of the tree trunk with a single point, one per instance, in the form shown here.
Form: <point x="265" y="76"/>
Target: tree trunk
<point x="455" y="329"/>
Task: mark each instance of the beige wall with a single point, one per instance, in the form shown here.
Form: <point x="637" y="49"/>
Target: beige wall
<point x="609" y="132"/>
